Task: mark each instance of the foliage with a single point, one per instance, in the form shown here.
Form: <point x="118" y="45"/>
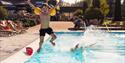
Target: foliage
<point x="3" y="13"/>
<point x="93" y="13"/>
<point x="104" y="7"/>
<point x="28" y="23"/>
<point x="78" y="12"/>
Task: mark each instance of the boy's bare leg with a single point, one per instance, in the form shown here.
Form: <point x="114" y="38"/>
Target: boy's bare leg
<point x="53" y="38"/>
<point x="40" y="43"/>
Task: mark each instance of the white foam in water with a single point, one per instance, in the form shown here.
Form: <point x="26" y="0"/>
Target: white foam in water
<point x="66" y="46"/>
<point x="101" y="40"/>
<point x="88" y="39"/>
<point x="92" y="35"/>
<point x="89" y="36"/>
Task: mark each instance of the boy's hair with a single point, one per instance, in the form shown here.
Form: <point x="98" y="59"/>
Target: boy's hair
<point x="45" y="4"/>
<point x="50" y="2"/>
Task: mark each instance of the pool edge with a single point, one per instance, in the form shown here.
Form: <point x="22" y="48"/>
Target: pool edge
<point x="20" y="56"/>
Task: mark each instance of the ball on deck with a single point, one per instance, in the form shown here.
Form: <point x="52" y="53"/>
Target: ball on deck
<point x="29" y="51"/>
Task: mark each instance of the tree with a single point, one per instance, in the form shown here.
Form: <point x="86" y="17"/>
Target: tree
<point x="93" y="13"/>
<point x="117" y="12"/>
<point x="104" y="7"/>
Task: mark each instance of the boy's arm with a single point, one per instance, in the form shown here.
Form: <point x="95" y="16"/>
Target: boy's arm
<point x="58" y="3"/>
<point x="28" y="1"/>
<point x="37" y="10"/>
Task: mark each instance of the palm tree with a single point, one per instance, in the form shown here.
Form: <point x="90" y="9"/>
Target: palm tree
<point x="117" y="12"/>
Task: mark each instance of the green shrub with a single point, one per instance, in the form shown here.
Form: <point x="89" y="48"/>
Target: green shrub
<point x="78" y="12"/>
<point x="93" y="13"/>
<point x="28" y="23"/>
<point x="3" y="13"/>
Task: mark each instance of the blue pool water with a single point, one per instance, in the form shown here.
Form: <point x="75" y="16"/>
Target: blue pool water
<point x="114" y="52"/>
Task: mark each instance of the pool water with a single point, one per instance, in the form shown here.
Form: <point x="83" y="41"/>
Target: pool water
<point x="108" y="50"/>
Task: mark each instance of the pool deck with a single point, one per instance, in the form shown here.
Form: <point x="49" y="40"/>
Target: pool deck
<point x="12" y="46"/>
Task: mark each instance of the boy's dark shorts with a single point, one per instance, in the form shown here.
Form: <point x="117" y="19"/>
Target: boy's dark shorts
<point x="44" y="31"/>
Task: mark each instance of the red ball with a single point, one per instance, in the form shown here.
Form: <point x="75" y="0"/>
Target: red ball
<point x="29" y="51"/>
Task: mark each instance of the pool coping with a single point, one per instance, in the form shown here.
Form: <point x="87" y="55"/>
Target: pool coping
<point x="84" y="30"/>
<point x="20" y="57"/>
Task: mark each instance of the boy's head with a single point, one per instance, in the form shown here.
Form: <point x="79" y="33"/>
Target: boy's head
<point x="45" y="5"/>
<point x="45" y="8"/>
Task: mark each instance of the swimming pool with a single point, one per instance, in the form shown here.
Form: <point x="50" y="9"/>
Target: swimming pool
<point x="110" y="50"/>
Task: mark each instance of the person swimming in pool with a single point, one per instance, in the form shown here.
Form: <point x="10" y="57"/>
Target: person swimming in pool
<point x="44" y="27"/>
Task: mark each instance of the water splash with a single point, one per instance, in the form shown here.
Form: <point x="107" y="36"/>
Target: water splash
<point x="104" y="49"/>
<point x="102" y="38"/>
